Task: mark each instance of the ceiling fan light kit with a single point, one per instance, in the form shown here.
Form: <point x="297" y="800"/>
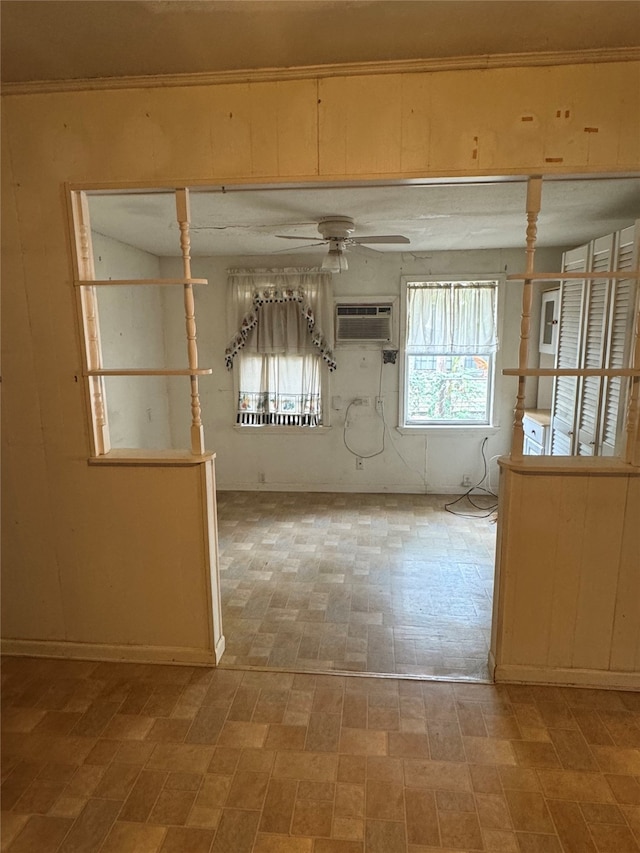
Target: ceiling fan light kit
<point x="335" y="261"/>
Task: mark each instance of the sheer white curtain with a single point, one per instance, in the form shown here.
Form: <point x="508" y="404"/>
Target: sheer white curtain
<point x="283" y="320"/>
<point x="456" y="318"/>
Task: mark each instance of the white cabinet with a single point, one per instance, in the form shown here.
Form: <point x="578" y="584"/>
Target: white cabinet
<point x="535" y="425"/>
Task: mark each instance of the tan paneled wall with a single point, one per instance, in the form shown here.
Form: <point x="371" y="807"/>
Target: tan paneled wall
<point x="495" y="121"/>
<point x="72" y="535"/>
<point x="567" y="598"/>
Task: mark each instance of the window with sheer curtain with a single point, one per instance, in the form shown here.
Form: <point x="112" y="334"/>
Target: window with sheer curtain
<point x="451" y="339"/>
<point x="281" y="345"/>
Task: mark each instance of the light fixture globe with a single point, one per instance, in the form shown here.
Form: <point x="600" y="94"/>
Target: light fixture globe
<point x="335" y="261"/>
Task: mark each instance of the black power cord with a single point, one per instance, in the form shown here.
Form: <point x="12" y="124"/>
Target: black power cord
<point x="485" y="511"/>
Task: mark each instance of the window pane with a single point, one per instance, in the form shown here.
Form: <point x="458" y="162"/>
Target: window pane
<point x="448" y="388"/>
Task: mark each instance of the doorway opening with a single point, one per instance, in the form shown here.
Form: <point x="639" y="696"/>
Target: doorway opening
<point x="291" y="500"/>
<point x="387" y="584"/>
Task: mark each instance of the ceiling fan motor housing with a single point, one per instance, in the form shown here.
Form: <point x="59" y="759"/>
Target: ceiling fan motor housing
<point x="336" y="227"/>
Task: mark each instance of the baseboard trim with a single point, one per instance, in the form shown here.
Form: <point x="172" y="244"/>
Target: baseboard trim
<point x="491" y="663"/>
<point x="110" y="652"/>
<point x="598" y="678"/>
<point x="220" y="647"/>
<point x="348" y="488"/>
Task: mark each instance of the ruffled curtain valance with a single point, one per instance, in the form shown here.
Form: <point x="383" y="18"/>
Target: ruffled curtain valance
<point x="280" y="312"/>
<point x="283" y="321"/>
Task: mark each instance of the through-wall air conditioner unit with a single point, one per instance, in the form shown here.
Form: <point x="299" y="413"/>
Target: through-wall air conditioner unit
<point x="364" y="322"/>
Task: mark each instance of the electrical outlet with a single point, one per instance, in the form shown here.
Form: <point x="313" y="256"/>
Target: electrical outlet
<point x="379" y="403"/>
<point x="359" y="463"/>
<point x="466" y="480"/>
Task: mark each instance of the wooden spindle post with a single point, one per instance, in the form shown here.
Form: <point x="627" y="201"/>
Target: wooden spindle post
<point x="632" y="445"/>
<point x="90" y="323"/>
<point x="197" y="429"/>
<point x="534" y="194"/>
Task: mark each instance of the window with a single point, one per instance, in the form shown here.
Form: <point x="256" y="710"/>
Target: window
<point x="451" y="339"/>
<point x="280" y="346"/>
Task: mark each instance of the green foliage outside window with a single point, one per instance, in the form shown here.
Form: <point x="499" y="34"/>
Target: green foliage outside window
<point x="452" y="388"/>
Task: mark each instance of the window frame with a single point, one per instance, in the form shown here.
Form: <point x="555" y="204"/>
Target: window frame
<point x="494" y="378"/>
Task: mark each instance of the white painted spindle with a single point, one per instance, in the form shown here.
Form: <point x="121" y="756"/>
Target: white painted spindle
<point x="632" y="447"/>
<point x="534" y="193"/>
<point x="91" y="327"/>
<point x="197" y="430"/>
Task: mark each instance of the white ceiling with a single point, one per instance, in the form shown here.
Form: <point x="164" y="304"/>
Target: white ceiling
<point x="81" y="39"/>
<point x="435" y="217"/>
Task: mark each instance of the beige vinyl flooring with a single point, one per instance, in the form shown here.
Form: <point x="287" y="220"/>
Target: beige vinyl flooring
<point x="141" y="758"/>
<point x="367" y="583"/>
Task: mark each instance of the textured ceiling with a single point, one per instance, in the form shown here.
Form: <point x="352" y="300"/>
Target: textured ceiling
<point x="57" y="40"/>
<point x="435" y="217"/>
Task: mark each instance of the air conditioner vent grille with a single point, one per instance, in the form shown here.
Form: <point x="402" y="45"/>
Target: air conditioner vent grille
<point x="363" y="322"/>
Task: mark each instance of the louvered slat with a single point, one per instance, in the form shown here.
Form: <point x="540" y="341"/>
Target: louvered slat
<point x="620" y="336"/>
<point x="592" y="357"/>
<point x="568" y="354"/>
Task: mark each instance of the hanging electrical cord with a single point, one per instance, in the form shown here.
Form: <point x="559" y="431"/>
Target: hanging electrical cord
<point x="485" y="511"/>
<point x="344" y="436"/>
<point x="386" y="432"/>
<point x="400" y="456"/>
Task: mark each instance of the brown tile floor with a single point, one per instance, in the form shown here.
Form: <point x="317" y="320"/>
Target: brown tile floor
<point x="132" y="758"/>
<point x="355" y="583"/>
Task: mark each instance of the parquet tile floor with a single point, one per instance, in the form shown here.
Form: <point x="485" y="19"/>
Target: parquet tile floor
<point x="376" y="583"/>
<point x="133" y="758"/>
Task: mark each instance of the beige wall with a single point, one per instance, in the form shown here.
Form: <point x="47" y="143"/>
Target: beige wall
<point x="417" y="462"/>
<point x="56" y="509"/>
<point x="132" y="335"/>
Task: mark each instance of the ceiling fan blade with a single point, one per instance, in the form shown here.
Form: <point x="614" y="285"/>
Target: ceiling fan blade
<point x="295" y="248"/>
<point x="381" y="238"/>
<point x="303" y="237"/>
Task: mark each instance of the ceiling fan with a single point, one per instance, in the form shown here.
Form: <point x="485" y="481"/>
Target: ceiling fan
<point x="336" y="232"/>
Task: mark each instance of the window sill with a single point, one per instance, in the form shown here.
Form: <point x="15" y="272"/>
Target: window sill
<point x="449" y="430"/>
<point x="281" y="430"/>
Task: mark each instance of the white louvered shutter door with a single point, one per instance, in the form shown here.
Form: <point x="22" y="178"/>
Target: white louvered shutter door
<point x="622" y="312"/>
<point x="597" y="292"/>
<point x="565" y="389"/>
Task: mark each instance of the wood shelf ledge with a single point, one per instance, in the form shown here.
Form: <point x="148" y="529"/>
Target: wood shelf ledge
<point x="151" y="458"/>
<point x="118" y="282"/>
<point x="580" y="466"/>
<point x="151" y="371"/>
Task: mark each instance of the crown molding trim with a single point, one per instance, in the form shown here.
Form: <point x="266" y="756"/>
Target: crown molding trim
<point x="263" y="75"/>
